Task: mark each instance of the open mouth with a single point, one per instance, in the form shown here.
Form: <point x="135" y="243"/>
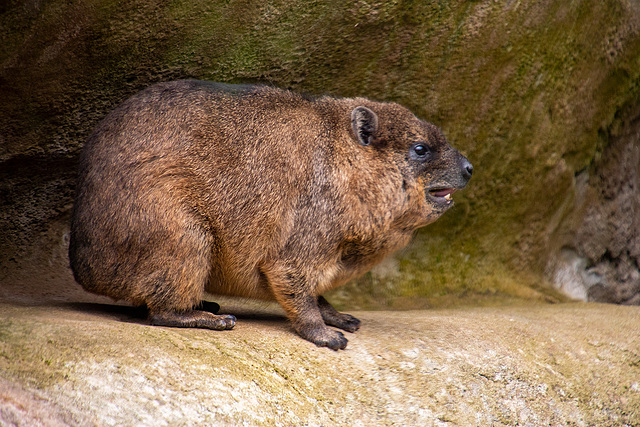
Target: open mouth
<point x="442" y="195"/>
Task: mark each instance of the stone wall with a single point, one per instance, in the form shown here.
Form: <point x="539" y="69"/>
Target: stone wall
<point x="600" y="238"/>
<point x="541" y="96"/>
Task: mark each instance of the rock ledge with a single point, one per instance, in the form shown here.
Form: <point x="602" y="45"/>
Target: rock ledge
<point x="566" y="364"/>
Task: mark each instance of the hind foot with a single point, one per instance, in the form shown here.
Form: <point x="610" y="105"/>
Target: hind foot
<point x="193" y="319"/>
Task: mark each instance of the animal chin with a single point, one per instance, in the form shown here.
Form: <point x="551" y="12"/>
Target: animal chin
<point x="441" y="196"/>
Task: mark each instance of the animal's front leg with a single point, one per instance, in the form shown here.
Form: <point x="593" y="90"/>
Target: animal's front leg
<point x="295" y="293"/>
<point x="334" y="318"/>
<point x="311" y="326"/>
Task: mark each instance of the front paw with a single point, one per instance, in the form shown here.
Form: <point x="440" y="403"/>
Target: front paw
<point x="332" y="317"/>
<point x="323" y="336"/>
<point x="344" y="321"/>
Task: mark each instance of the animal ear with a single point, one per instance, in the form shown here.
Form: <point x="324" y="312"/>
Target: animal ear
<point x="365" y="124"/>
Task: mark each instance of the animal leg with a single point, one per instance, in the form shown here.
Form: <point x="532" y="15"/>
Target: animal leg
<point x="333" y="317"/>
<point x="309" y="325"/>
<point x="193" y="319"/>
<point x="294" y="293"/>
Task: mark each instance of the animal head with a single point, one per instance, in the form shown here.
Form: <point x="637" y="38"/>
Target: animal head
<point x="430" y="167"/>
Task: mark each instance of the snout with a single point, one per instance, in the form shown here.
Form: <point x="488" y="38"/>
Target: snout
<point x="466" y="169"/>
<point x="458" y="174"/>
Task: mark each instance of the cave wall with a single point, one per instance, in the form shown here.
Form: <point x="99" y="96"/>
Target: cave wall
<point x="598" y="241"/>
<point x="541" y="96"/>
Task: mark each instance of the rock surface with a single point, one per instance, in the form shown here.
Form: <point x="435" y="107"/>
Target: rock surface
<point x="600" y="237"/>
<point x="543" y="98"/>
<point x="101" y="364"/>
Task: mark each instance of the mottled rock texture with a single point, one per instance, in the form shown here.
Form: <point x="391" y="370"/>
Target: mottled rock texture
<point x="541" y="96"/>
<point x="601" y="252"/>
<point x="95" y="364"/>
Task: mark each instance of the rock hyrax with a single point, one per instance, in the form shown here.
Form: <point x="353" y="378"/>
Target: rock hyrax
<point x="192" y="186"/>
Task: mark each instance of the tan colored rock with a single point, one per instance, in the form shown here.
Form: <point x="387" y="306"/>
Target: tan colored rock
<point x="565" y="364"/>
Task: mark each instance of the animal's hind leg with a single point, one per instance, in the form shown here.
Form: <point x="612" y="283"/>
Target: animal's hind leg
<point x="203" y="316"/>
<point x="177" y="311"/>
<point x="193" y="319"/>
<point x="180" y="263"/>
<point x="178" y="298"/>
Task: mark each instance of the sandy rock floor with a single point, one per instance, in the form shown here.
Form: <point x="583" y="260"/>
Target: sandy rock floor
<point x="94" y="363"/>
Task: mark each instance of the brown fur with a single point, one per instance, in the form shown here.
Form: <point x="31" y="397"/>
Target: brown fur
<point x="193" y="186"/>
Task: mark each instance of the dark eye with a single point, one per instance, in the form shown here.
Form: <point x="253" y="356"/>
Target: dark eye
<point x="421" y="150"/>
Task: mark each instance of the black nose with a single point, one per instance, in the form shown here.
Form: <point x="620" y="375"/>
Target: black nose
<point x="467" y="169"/>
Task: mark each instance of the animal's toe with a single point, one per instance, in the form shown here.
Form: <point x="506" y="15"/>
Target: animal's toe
<point x="229" y="320"/>
<point x="337" y="342"/>
<point x="351" y="324"/>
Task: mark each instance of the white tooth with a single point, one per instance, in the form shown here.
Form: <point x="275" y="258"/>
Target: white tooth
<point x="448" y="197"/>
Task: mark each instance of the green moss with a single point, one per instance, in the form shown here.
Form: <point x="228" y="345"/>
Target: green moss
<point x="40" y="366"/>
<point x="527" y="90"/>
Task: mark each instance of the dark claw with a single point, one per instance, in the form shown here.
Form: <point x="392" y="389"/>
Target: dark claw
<point x="230" y="320"/>
<point x="339" y="342"/>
